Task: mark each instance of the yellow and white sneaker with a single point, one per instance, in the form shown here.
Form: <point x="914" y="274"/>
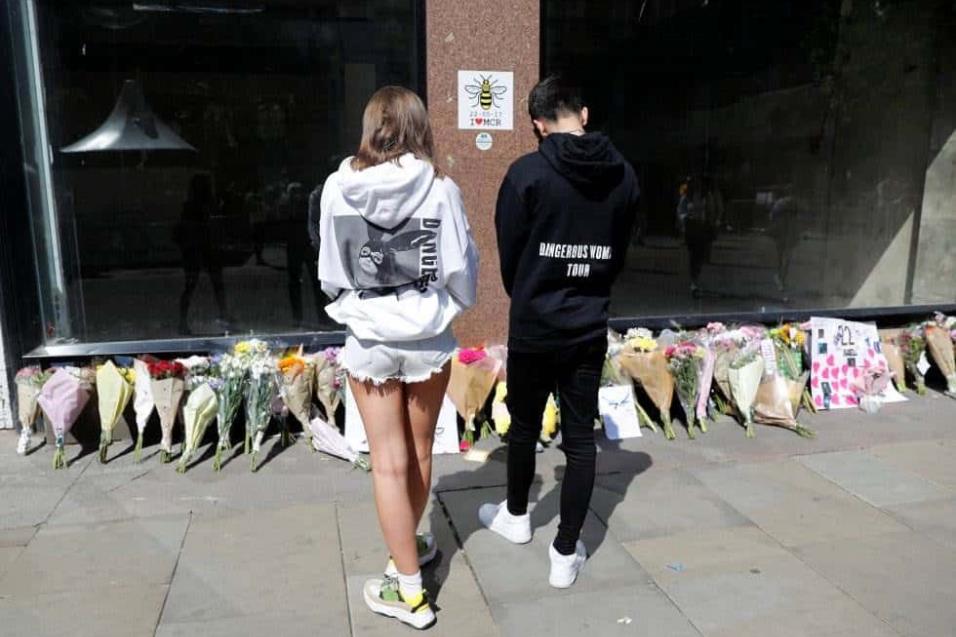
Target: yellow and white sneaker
<point x="383" y="596"/>
<point x="427" y="550"/>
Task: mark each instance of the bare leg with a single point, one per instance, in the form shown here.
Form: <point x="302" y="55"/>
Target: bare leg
<point x="382" y="409"/>
<point x="423" y="403"/>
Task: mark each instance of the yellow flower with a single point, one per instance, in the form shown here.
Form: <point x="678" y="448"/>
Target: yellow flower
<point x="642" y="344"/>
<point x="242" y="347"/>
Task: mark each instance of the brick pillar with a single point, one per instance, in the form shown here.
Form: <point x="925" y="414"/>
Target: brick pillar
<point x="502" y="36"/>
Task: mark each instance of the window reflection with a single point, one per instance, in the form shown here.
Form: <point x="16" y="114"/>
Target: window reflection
<point x="206" y="235"/>
<point x="783" y="147"/>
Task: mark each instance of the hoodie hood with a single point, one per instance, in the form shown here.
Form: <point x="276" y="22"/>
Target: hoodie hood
<point x="589" y="161"/>
<point x="389" y="193"/>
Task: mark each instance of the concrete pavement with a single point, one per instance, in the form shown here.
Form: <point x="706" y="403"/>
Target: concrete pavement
<point x="851" y="533"/>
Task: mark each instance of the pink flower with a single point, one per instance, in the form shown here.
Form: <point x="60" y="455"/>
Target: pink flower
<point x="470" y="355"/>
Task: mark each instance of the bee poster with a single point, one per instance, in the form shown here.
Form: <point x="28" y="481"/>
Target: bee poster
<point x="486" y="100"/>
<point x="842" y="354"/>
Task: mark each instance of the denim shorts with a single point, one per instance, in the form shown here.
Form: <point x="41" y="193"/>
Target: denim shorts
<point x="405" y="361"/>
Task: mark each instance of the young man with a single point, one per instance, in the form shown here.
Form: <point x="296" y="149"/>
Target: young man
<point x="564" y="219"/>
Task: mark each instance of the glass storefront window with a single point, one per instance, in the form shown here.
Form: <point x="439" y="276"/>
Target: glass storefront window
<point x="171" y="148"/>
<point x="793" y="155"/>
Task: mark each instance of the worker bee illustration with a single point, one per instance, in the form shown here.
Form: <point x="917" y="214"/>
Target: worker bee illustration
<point x="377" y="256"/>
<point x="485" y="92"/>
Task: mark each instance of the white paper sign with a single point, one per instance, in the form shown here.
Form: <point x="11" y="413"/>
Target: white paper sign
<point x="769" y="354"/>
<point x="446" y="432"/>
<point x="486" y="100"/>
<point x="618" y="412"/>
<point x="840" y="353"/>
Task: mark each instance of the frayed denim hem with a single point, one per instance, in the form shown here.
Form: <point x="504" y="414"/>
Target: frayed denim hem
<point x="406" y="379"/>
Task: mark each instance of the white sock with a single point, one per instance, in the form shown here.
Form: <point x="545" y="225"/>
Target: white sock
<point x="410" y="585"/>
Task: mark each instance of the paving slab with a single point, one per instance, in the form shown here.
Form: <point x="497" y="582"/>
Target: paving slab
<point x="873" y="480"/>
<point x="27" y="504"/>
<point x="507" y="572"/>
<point x="8" y="554"/>
<point x="279" y="561"/>
<point x="906" y="580"/>
<point x="131" y="553"/>
<point x="128" y="610"/>
<point x="17" y="536"/>
<point x="794" y="504"/>
<point x="936" y="519"/>
<point x="632" y="612"/>
<point x="740" y="582"/>
<point x="658" y="503"/>
<point x="449" y="580"/>
<point x="268" y="623"/>
<point x="929" y="459"/>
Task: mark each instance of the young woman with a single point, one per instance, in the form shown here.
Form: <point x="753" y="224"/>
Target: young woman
<point x="398" y="259"/>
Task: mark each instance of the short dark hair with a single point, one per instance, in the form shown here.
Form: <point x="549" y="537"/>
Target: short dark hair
<point x="554" y="96"/>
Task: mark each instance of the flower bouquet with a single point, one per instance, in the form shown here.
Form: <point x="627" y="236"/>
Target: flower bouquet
<point x="646" y="364"/>
<point x="29" y="382"/>
<point x="329" y="381"/>
<point x="113" y="392"/>
<point x="62" y="399"/>
<point x="199" y="410"/>
<point x="940" y="346"/>
<point x="869" y="386"/>
<point x="167" y="386"/>
<point x="789" y="342"/>
<point x="684" y="360"/>
<point x="499" y="409"/>
<point x="612" y="374"/>
<point x="261" y="390"/>
<point x="894" y="358"/>
<point x="744" y="375"/>
<point x="328" y="439"/>
<point x="912" y="343"/>
<point x="296" y="380"/>
<point x="143" y="404"/>
<point x="473" y="377"/>
<point x="550" y="420"/>
<point x="230" y="375"/>
<point x="778" y="402"/>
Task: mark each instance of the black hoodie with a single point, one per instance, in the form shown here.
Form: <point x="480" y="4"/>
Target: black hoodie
<point x="564" y="220"/>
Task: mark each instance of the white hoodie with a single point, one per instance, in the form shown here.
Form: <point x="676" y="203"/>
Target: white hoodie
<point x="396" y="251"/>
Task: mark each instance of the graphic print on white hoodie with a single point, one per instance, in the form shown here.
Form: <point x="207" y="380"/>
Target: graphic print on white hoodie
<point x="396" y="250"/>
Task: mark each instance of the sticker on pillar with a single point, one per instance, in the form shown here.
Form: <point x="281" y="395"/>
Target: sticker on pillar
<point x="483" y="141"/>
<point x="486" y="100"/>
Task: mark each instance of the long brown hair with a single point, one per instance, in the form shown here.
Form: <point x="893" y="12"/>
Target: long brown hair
<point x="395" y="122"/>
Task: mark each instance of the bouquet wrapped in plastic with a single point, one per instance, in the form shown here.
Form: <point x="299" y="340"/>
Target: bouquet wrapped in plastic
<point x="329" y="381"/>
<point x="868" y="387"/>
<point x="198" y="412"/>
<point x="642" y="360"/>
<point x="894" y="358"/>
<point x="473" y="376"/>
<point x="789" y="342"/>
<point x="912" y="343"/>
<point x="940" y="346"/>
<point x="29" y="382"/>
<point x="62" y="399"/>
<point x="328" y="439"/>
<point x="143" y="404"/>
<point x="230" y="376"/>
<point x="296" y="381"/>
<point x="167" y="386"/>
<point x="613" y="374"/>
<point x="685" y="360"/>
<point x="113" y="392"/>
<point x="261" y="389"/>
<point x="499" y="409"/>
<point x="778" y="402"/>
<point x="744" y="376"/>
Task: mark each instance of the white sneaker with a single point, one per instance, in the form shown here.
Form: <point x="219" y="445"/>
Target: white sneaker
<point x="514" y="528"/>
<point x="565" y="568"/>
<point x="23" y="444"/>
<point x="427" y="550"/>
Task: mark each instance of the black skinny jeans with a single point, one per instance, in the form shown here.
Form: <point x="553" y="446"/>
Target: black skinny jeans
<point x="574" y="373"/>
